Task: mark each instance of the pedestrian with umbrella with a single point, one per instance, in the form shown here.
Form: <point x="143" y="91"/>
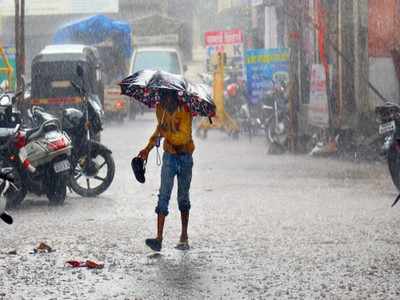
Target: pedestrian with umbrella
<point x="176" y="101"/>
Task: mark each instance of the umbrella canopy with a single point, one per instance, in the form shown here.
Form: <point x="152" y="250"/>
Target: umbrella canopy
<point x="145" y="86"/>
<point x="153" y="79"/>
<point x="201" y="101"/>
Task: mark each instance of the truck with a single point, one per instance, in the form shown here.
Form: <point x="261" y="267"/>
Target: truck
<point x="162" y="31"/>
<point x="160" y="43"/>
<point x="113" y="40"/>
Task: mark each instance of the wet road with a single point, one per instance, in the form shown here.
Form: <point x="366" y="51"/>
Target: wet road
<point x="262" y="226"/>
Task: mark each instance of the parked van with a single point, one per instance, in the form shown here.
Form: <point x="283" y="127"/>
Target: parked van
<point x="155" y="58"/>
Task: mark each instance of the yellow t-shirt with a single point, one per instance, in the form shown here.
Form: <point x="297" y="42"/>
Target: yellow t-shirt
<point x="176" y="129"/>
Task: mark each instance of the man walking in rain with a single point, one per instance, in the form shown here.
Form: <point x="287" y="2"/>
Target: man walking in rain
<point x="175" y="126"/>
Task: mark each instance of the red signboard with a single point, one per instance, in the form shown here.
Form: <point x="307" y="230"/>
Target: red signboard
<point x="383" y="21"/>
<point x="229" y="42"/>
<point x="227" y="37"/>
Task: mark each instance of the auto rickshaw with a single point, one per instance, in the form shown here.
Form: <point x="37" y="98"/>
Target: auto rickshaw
<point x="112" y="39"/>
<point x="54" y="74"/>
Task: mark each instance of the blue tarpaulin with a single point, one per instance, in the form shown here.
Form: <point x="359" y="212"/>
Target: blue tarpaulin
<point x="95" y="30"/>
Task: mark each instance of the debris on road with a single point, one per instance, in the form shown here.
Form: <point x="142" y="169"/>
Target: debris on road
<point x="42" y="248"/>
<point x="90" y="264"/>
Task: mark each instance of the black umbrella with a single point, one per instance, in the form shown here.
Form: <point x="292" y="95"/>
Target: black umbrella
<point x="135" y="86"/>
<point x="201" y="101"/>
<point x="145" y="86"/>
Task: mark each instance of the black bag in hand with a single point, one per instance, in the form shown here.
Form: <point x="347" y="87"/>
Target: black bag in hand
<point x="139" y="169"/>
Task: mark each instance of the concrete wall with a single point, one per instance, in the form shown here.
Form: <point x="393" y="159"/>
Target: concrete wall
<point x="382" y="75"/>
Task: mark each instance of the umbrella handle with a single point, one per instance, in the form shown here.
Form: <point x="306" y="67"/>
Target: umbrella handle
<point x="209" y="119"/>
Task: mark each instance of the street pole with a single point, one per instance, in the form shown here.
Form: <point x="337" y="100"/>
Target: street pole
<point x="20" y="41"/>
<point x="22" y="32"/>
<point x="249" y="25"/>
<point x="17" y="42"/>
<point x="164" y="8"/>
<point x="294" y="75"/>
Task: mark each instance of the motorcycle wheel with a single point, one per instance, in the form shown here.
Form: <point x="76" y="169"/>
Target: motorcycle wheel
<point x="16" y="192"/>
<point x="57" y="191"/>
<point x="80" y="181"/>
<point x="394" y="165"/>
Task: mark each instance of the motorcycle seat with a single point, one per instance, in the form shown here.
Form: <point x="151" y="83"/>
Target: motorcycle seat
<point x="29" y="132"/>
<point x="33" y="133"/>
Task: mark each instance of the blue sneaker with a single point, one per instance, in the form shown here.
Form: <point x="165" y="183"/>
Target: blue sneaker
<point x="154" y="244"/>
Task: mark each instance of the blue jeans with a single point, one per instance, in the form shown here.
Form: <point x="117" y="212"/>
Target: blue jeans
<point x="179" y="165"/>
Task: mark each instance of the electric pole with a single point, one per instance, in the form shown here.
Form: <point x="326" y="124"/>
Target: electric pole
<point x="17" y="42"/>
<point x="164" y="7"/>
<point x="22" y="45"/>
<point x="20" y="41"/>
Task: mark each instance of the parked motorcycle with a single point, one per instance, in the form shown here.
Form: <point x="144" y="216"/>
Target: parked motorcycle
<point x="236" y="106"/>
<point x="6" y="181"/>
<point x="39" y="156"/>
<point x="277" y="124"/>
<point x="254" y="118"/>
<point x="92" y="163"/>
<point x="234" y="99"/>
<point x="388" y="116"/>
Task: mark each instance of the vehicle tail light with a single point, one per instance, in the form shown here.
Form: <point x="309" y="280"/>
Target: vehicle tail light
<point x="26" y="163"/>
<point x="57" y="145"/>
<point x="20" y="140"/>
<point x="28" y="166"/>
<point x="119" y="104"/>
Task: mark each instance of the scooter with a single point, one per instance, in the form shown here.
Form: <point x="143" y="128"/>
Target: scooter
<point x="5" y="182"/>
<point x="39" y="156"/>
<point x="388" y="116"/>
<point x="278" y="123"/>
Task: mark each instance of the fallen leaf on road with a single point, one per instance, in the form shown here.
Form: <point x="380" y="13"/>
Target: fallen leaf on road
<point x="42" y="248"/>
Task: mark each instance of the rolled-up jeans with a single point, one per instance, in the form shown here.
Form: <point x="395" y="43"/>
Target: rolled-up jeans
<point x="179" y="165"/>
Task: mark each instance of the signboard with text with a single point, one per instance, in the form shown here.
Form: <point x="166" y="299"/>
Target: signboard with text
<point x="10" y="53"/>
<point x="60" y="7"/>
<point x="263" y="68"/>
<point x="318" y="111"/>
<point x="229" y="42"/>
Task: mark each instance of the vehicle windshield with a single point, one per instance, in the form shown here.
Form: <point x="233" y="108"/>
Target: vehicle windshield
<point x="157" y="60"/>
<point x="53" y="79"/>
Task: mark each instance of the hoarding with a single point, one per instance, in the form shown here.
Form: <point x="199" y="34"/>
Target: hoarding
<point x="383" y="21"/>
<point x="263" y="68"/>
<point x="318" y="111"/>
<point x="229" y="42"/>
<point x="60" y="7"/>
<point x="10" y="53"/>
